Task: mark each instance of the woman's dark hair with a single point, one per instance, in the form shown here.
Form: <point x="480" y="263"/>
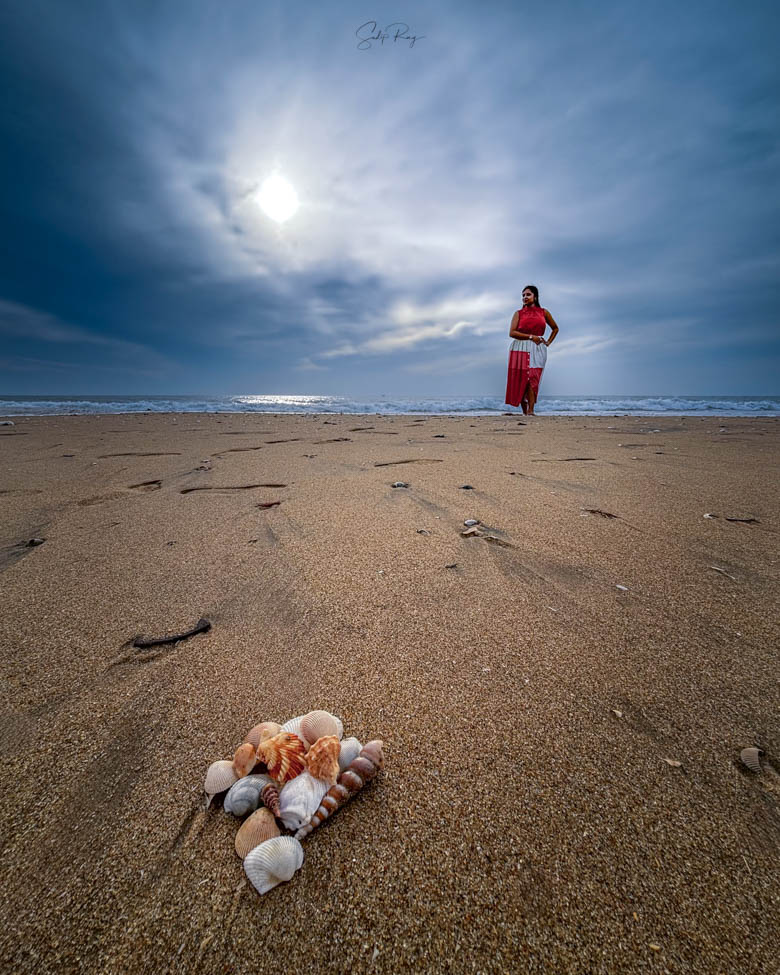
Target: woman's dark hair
<point x="535" y="290"/>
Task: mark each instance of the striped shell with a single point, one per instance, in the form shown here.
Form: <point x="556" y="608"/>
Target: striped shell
<point x="361" y="771"/>
<point x="266" y="729"/>
<point x="283" y="755"/>
<point x="349" y="751"/>
<point x="293" y="726"/>
<point x="244" y="796"/>
<point x="273" y="862"/>
<point x="299" y="799"/>
<point x="244" y="759"/>
<point x="269" y="796"/>
<point x="320" y="724"/>
<point x="219" y="777"/>
<point x="750" y="758"/>
<point x="256" y="829"/>
<point x="322" y="760"/>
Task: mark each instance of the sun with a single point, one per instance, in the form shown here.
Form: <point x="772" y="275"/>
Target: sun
<point x="278" y="198"/>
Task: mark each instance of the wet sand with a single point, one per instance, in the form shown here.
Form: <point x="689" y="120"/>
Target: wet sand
<point x="563" y="698"/>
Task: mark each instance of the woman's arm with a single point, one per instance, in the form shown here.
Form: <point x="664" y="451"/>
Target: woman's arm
<point x="513" y="332"/>
<point x="551" y="322"/>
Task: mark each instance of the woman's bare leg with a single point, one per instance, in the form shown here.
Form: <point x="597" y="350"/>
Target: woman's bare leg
<point x="531" y="401"/>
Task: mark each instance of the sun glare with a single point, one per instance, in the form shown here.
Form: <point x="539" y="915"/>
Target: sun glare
<point x="277" y="198"/>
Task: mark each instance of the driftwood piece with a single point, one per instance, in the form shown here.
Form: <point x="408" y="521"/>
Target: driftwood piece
<point x="202" y="626"/>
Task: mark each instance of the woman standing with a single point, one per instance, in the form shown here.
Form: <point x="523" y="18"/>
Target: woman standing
<point x="528" y="351"/>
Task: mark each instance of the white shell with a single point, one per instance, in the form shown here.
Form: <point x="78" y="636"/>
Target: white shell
<point x="244" y="796"/>
<point x="350" y="749"/>
<point x="273" y="862"/>
<point x="300" y="798"/>
<point x="294" y="727"/>
<point x="219" y="777"/>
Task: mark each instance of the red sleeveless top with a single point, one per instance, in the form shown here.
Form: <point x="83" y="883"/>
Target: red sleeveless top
<point x="531" y="320"/>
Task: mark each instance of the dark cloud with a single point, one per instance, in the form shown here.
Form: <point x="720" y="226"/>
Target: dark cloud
<point x="623" y="157"/>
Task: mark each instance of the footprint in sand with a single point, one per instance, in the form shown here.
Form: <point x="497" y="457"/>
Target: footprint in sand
<point x="146" y="486"/>
<point x="238" y="487"/>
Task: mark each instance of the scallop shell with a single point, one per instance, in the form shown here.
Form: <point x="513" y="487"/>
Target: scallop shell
<point x="266" y="729"/>
<point x="350" y="749"/>
<point x="269" y="795"/>
<point x="273" y="862"/>
<point x="362" y="770"/>
<point x="320" y="724"/>
<point x="256" y="829"/>
<point x="322" y="760"/>
<point x="750" y="758"/>
<point x="220" y="776"/>
<point x="244" y="796"/>
<point x="283" y="754"/>
<point x="244" y="759"/>
<point x="299" y="799"/>
<point x="293" y="726"/>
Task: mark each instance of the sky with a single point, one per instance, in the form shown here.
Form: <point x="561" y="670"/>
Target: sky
<point x="622" y="156"/>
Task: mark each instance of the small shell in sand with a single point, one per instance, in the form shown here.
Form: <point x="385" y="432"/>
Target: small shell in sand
<point x="283" y="755"/>
<point x="266" y="729"/>
<point x="219" y="777"/>
<point x="256" y="829"/>
<point x="350" y="749"/>
<point x="273" y="862"/>
<point x="244" y="796"/>
<point x="750" y="758"/>
<point x="244" y="759"/>
<point x="299" y="799"/>
<point x="319" y="724"/>
<point x="322" y="761"/>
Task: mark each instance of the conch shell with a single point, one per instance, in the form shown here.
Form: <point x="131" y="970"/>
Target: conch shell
<point x="244" y="796"/>
<point x="349" y="751"/>
<point x="322" y="760"/>
<point x="266" y="729"/>
<point x="219" y="777"/>
<point x="269" y="795"/>
<point x="320" y="724"/>
<point x="360" y="771"/>
<point x="244" y="759"/>
<point x="299" y="799"/>
<point x="283" y="755"/>
<point x="273" y="862"/>
<point x="256" y="829"/>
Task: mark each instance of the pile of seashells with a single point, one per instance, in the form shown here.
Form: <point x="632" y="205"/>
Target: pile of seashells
<point x="305" y="773"/>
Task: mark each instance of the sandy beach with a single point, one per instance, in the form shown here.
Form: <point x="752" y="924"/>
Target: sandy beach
<point x="563" y="698"/>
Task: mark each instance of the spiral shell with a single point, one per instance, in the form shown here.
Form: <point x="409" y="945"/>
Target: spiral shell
<point x="266" y="729"/>
<point x="244" y="796"/>
<point x="269" y="795"/>
<point x="244" y="759"/>
<point x="256" y="829"/>
<point x="361" y="770"/>
<point x="283" y="754"/>
<point x="750" y="758"/>
<point x="320" y="724"/>
<point x="220" y="776"/>
<point x="299" y="799"/>
<point x="349" y="751"/>
<point x="273" y="862"/>
<point x="322" y="760"/>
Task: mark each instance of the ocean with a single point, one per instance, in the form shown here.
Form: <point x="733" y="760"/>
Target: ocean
<point x="469" y="405"/>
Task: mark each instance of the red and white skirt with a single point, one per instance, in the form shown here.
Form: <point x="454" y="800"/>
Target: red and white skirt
<point x="526" y="362"/>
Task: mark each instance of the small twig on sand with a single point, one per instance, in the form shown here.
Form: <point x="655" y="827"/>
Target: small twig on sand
<point x="202" y="626"/>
